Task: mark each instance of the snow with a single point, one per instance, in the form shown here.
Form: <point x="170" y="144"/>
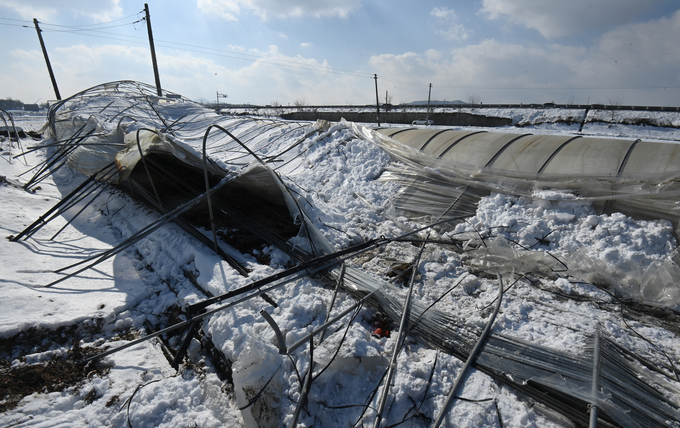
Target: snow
<point x="661" y="125"/>
<point x="335" y="173"/>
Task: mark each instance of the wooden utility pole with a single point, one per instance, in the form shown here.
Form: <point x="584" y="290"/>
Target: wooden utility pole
<point x="427" y="116"/>
<point x="377" y="102"/>
<point x="47" y="59"/>
<point x="153" y="50"/>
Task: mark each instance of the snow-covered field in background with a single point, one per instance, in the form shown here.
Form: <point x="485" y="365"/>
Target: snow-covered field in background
<point x="662" y="125"/>
<point x="135" y="289"/>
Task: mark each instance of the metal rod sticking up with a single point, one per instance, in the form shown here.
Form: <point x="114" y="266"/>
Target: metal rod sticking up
<point x="306" y="385"/>
<point x="205" y="174"/>
<point x="340" y="280"/>
<point x="596" y="379"/>
<point x="471" y="358"/>
<point x="9" y="133"/>
<point x="403" y="327"/>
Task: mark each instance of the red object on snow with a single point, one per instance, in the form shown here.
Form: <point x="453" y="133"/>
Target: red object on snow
<point x="379" y="332"/>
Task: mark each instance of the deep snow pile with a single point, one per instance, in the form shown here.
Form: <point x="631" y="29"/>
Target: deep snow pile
<point x="625" y="252"/>
<point x="334" y="175"/>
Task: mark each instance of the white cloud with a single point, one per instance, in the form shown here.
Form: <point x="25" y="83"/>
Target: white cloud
<point x="557" y="18"/>
<point x="406" y="65"/>
<point x="290" y="78"/>
<point x="631" y="55"/>
<point x="443" y="13"/>
<point x="274" y="76"/>
<point x="226" y="9"/>
<point x="80" y="67"/>
<point x="305" y="45"/>
<point x="455" y="32"/>
<point x="621" y="62"/>
<point x="230" y="9"/>
<point x="99" y="11"/>
<point x="449" y="25"/>
<point x="644" y="53"/>
<point x="75" y="68"/>
<point x="433" y="55"/>
<point x="26" y="66"/>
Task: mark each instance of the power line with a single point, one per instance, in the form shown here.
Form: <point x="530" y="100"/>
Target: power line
<point x="14" y="25"/>
<point x="104" y="23"/>
<point x="216" y="52"/>
<point x="83" y="30"/>
<point x="173" y="45"/>
<point x="17" y="20"/>
<point x="80" y="26"/>
<point x="101" y="25"/>
<point x="262" y="56"/>
<point x="78" y="29"/>
<point x="139" y="39"/>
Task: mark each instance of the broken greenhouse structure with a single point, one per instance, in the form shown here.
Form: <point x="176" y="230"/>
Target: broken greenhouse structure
<point x="231" y="183"/>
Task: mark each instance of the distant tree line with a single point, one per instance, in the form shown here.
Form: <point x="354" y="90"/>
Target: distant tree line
<point x="10" y="104"/>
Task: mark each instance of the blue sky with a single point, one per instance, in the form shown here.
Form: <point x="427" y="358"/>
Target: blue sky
<point x="326" y="52"/>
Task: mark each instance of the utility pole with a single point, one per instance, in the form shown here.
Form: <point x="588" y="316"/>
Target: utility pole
<point x="220" y="96"/>
<point x="377" y="102"/>
<point x="153" y="50"/>
<point x="427" y="116"/>
<point x="47" y="59"/>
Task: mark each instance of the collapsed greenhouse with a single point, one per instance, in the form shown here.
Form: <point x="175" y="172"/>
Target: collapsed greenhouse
<point x="231" y="183"/>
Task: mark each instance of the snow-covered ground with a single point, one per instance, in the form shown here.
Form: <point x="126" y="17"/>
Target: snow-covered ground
<point x="595" y="122"/>
<point x="337" y="174"/>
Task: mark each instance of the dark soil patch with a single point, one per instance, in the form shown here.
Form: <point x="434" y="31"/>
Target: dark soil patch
<point x="401" y="270"/>
<point x="35" y="135"/>
<point x="12" y="132"/>
<point x="52" y="376"/>
<point x="35" y="340"/>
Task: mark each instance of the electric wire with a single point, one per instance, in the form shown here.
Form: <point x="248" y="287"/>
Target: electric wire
<point x="289" y="63"/>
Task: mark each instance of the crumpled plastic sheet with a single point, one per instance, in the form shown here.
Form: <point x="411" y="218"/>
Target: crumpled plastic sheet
<point x="520" y="363"/>
<point x="657" y="284"/>
<point x="438" y="188"/>
<point x="624" y="395"/>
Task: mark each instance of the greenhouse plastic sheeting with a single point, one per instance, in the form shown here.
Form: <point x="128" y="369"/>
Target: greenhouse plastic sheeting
<point x="467" y="165"/>
<point x="614" y="174"/>
<point x="548" y="154"/>
<point x="637" y="178"/>
<point x="543" y="373"/>
<point x="94" y="134"/>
